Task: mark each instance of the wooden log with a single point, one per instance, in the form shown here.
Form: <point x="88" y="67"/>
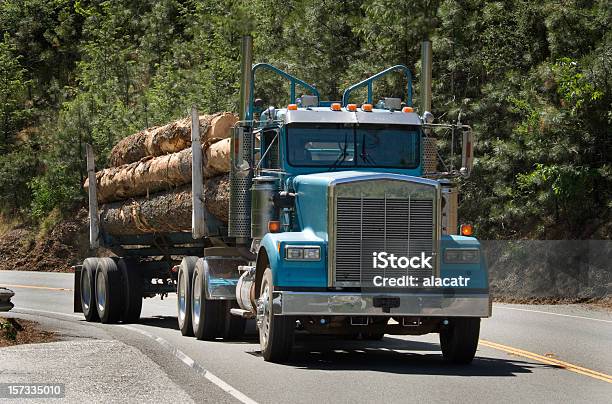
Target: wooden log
<point x="155" y="174"/>
<point x="165" y="212"/>
<point x="170" y="138"/>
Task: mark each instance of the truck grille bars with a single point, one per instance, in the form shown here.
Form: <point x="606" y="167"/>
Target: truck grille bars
<point x="403" y="227"/>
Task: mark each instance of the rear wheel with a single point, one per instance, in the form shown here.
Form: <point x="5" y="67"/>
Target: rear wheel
<point x="206" y="315"/>
<point x="459" y="340"/>
<point x="132" y="283"/>
<point x="109" y="300"/>
<point x="88" y="288"/>
<point x="183" y="290"/>
<point x="275" y="331"/>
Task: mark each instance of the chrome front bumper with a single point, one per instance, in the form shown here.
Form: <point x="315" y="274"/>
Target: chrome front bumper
<point x="360" y="304"/>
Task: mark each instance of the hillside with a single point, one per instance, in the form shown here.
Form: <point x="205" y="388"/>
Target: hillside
<point x="532" y="78"/>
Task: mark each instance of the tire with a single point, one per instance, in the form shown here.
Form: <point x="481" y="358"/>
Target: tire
<point x="183" y="291"/>
<point x="132" y="282"/>
<point x="275" y="331"/>
<point x="460" y="340"/>
<point x="207" y="316"/>
<point x="234" y="326"/>
<point x="88" y="289"/>
<point x="109" y="291"/>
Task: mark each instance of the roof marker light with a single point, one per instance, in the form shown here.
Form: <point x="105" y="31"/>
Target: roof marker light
<point x="366" y="107"/>
<point x="336" y="106"/>
<point x="351" y="107"/>
<point x="292" y="107"/>
<point x="407" y="109"/>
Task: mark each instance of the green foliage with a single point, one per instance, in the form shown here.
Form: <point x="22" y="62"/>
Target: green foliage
<point x="532" y="78"/>
<point x="13" y="112"/>
<point x="9" y="331"/>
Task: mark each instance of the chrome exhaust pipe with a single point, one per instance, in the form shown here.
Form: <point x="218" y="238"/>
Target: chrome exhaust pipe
<point x="426" y="67"/>
<point x="246" y="63"/>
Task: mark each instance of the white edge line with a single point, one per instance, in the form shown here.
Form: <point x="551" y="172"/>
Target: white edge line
<point x="183" y="357"/>
<point x="553" y="314"/>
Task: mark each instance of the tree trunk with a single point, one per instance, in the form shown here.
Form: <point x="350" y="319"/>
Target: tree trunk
<point x="155" y="174"/>
<point x="170" y="138"/>
<point x="165" y="212"/>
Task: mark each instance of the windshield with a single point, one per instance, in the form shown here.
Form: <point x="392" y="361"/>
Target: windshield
<point x="363" y="146"/>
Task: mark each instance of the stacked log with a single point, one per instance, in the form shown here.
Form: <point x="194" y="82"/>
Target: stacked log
<point x="147" y="187"/>
<point x="154" y="174"/>
<point x="170" y="138"/>
<point x="164" y="212"/>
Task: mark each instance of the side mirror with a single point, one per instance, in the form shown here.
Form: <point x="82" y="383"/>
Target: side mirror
<point x="467" y="153"/>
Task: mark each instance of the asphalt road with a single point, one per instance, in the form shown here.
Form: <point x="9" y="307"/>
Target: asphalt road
<point x="527" y="354"/>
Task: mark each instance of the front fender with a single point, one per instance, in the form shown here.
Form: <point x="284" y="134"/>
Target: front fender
<point x="477" y="273"/>
<point x="295" y="274"/>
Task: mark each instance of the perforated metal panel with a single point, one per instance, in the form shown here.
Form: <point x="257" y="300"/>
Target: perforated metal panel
<point x="430" y="155"/>
<point x="241" y="179"/>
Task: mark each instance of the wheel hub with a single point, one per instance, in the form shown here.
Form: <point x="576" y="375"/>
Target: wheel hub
<point x="263" y="315"/>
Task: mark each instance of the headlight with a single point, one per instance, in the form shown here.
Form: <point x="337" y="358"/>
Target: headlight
<point x="305" y="253"/>
<point x="462" y="256"/>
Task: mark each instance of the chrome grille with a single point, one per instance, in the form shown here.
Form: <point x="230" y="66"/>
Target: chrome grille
<point x="404" y="227"/>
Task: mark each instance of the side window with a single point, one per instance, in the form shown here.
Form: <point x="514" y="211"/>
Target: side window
<point x="270" y="140"/>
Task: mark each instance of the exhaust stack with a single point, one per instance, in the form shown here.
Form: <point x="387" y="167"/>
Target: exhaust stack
<point x="426" y="62"/>
<point x="246" y="64"/>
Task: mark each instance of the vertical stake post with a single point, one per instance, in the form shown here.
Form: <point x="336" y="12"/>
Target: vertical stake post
<point x="198" y="224"/>
<point x="94" y="226"/>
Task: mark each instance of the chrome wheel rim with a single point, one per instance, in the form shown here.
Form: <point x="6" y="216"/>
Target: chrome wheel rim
<point x="85" y="290"/>
<point x="100" y="292"/>
<point x="263" y="315"/>
<point x="196" y="301"/>
<point x="182" y="298"/>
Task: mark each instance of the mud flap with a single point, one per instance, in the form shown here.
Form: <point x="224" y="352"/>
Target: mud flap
<point x="77" y="289"/>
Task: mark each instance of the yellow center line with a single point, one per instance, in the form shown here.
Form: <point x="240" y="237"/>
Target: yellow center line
<point x="549" y="361"/>
<point x="34" y="287"/>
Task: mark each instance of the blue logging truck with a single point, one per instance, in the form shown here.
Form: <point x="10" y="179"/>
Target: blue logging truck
<point x="342" y="220"/>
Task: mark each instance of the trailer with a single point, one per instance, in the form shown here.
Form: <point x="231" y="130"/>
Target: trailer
<point x="342" y="220"/>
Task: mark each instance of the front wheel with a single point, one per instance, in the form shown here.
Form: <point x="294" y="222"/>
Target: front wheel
<point x="460" y="340"/>
<point x="275" y="331"/>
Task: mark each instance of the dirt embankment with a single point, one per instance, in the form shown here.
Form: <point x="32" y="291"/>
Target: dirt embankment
<point x="64" y="245"/>
<point x="16" y="331"/>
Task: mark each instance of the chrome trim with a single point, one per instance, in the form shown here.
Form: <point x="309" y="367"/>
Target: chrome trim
<point x="318" y="116"/>
<point x="414" y="304"/>
<point x="323" y="115"/>
<point x="287" y="246"/>
<point x="332" y="219"/>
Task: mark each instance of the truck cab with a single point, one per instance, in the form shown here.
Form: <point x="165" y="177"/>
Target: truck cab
<point x="353" y="227"/>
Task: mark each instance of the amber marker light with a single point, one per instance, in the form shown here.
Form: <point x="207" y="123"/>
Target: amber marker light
<point x="351" y="107"/>
<point x="407" y="109"/>
<point x="292" y="107"/>
<point x="336" y="106"/>
<point x="367" y="107"/>
<point x="467" y="229"/>
<point x="273" y="226"/>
